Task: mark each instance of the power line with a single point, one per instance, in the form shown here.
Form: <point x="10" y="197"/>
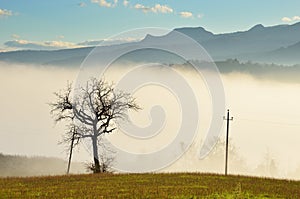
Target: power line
<point x="270" y="122"/>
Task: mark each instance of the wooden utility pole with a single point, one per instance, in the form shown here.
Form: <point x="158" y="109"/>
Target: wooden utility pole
<point x="227" y="136"/>
<point x="71" y="151"/>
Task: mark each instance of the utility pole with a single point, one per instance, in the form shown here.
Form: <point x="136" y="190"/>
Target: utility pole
<point x="227" y="136"/>
<point x="71" y="150"/>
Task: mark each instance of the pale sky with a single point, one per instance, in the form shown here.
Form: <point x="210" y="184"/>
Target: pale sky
<point x="69" y="23"/>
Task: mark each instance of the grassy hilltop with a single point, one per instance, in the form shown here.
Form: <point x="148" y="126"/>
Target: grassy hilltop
<point x="173" y="185"/>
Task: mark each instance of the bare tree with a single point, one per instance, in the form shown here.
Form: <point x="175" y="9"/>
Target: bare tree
<point x="93" y="112"/>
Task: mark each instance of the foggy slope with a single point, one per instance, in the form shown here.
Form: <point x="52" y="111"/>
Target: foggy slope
<point x="15" y="165"/>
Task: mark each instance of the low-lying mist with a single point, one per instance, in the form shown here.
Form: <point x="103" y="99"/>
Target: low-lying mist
<point x="14" y="165"/>
<point x="263" y="135"/>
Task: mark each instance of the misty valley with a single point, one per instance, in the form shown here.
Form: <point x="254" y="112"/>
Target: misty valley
<point x="156" y="105"/>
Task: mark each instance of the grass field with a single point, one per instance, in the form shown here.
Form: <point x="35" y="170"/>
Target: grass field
<point x="174" y="185"/>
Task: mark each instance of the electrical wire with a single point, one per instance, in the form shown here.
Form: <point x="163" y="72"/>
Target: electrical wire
<point x="270" y="122"/>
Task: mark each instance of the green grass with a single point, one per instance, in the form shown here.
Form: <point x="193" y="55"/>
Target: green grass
<point x="173" y="185"/>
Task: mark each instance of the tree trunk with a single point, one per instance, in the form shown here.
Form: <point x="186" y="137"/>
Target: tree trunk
<point x="96" y="155"/>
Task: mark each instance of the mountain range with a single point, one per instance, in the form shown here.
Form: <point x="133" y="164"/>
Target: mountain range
<point x="275" y="44"/>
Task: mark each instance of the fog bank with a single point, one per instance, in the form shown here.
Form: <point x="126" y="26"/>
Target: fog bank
<point x="264" y="131"/>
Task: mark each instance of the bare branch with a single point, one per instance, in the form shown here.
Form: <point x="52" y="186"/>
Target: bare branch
<point x="62" y="108"/>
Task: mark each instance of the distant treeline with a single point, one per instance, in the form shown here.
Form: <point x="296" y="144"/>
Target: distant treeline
<point x="232" y="65"/>
<point x="274" y="72"/>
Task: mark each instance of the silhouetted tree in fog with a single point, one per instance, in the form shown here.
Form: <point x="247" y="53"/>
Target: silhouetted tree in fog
<point x="93" y="112"/>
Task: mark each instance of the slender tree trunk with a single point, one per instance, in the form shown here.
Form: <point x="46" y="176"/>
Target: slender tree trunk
<point x="96" y="155"/>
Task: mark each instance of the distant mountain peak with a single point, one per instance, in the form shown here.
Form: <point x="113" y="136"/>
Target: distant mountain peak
<point x="257" y="27"/>
<point x="296" y="24"/>
<point x="197" y="33"/>
<point x="192" y="28"/>
<point x="197" y="30"/>
<point x="149" y="36"/>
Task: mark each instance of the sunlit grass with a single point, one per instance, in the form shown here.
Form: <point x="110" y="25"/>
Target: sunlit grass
<point x="173" y="185"/>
